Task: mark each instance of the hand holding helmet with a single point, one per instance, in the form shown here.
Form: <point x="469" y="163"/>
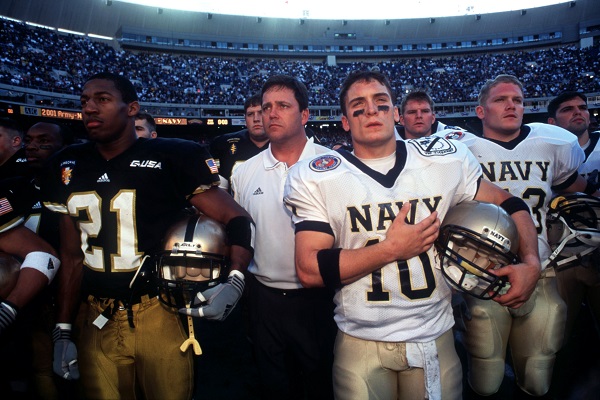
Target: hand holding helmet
<point x="216" y="303"/>
<point x="476" y="238"/>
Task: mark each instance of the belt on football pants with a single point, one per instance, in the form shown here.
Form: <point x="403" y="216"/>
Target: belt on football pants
<point x="110" y="306"/>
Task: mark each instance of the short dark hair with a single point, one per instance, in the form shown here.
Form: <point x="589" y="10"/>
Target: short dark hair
<point x="561" y="98"/>
<point x="65" y="134"/>
<point x="253" y="101"/>
<point x="484" y="93"/>
<point x="417" y="95"/>
<point x="123" y="85"/>
<point x="146" y="117"/>
<point x="12" y="125"/>
<point x="363" y="76"/>
<point x="285" y="81"/>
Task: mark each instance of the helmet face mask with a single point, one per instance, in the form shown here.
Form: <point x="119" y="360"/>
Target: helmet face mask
<point x="195" y="258"/>
<point x="573" y="224"/>
<point x="474" y="239"/>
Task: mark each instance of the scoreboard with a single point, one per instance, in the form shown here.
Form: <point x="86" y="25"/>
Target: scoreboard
<point x="13" y="110"/>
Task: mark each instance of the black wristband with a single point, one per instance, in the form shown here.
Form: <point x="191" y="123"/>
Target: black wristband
<point x="240" y="232"/>
<point x="514" y="204"/>
<point x="329" y="267"/>
<point x="590" y="188"/>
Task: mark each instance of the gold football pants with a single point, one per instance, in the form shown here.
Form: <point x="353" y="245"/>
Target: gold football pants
<point x="364" y="369"/>
<point x="117" y="361"/>
<point x="534" y="331"/>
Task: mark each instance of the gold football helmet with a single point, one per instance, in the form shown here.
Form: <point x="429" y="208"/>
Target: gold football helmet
<point x="195" y="257"/>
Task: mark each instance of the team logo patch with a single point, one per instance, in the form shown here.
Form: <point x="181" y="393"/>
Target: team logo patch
<point x="66" y="175"/>
<point x="325" y="163"/>
<point x="433" y="146"/>
<point x="456" y="135"/>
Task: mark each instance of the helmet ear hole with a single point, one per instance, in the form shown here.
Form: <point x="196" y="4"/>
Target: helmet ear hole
<point x="474" y="239"/>
<point x="195" y="257"/>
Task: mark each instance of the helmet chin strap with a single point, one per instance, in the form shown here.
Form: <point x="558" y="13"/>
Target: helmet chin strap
<point x="138" y="271"/>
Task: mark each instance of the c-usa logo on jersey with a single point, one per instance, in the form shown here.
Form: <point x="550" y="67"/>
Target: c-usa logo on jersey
<point x="324" y="163"/>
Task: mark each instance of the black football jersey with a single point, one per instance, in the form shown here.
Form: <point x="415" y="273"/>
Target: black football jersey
<point x="231" y="149"/>
<point x="124" y="206"/>
<point x="17" y="196"/>
<point x="15" y="166"/>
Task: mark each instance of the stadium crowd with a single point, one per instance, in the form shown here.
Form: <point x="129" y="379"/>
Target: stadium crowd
<point x="46" y="60"/>
<point x="154" y="311"/>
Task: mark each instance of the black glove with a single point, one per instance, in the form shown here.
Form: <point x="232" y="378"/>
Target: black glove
<point x="216" y="303"/>
<point x="8" y="314"/>
<point x="65" y="354"/>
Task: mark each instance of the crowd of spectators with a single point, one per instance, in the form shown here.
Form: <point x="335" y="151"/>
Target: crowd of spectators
<point x="47" y="60"/>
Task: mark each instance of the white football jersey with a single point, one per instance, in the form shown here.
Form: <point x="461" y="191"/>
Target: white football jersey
<point x="591" y="165"/>
<point x="405" y="301"/>
<point x="543" y="157"/>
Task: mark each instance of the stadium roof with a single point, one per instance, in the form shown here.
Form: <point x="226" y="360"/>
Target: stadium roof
<point x="340" y="9"/>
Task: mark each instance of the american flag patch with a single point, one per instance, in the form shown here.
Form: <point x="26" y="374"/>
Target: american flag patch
<point x="5" y="206"/>
<point x="212" y="165"/>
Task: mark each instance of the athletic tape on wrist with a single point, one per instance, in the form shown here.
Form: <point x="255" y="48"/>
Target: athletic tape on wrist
<point x="240" y="232"/>
<point x="329" y="267"/>
<point x="514" y="204"/>
<point x="46" y="263"/>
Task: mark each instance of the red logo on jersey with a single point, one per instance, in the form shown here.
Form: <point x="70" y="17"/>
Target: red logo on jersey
<point x="67" y="174"/>
<point x="325" y="163"/>
<point x="456" y="135"/>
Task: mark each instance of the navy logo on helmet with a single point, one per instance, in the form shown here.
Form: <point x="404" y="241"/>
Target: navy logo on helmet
<point x="325" y="163"/>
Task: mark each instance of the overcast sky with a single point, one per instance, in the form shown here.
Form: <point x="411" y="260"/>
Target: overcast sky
<point x="347" y="9"/>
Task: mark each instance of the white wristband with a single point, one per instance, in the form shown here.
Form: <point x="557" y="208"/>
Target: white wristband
<point x="46" y="263"/>
<point x="236" y="273"/>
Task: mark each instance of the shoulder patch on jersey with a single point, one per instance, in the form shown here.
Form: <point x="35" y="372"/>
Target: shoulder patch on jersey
<point x="66" y="174"/>
<point x="325" y="163"/>
<point x="456" y="135"/>
<point x="433" y="146"/>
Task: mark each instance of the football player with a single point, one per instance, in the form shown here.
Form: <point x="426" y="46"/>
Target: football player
<point x="234" y="148"/>
<point x="569" y="110"/>
<point x="41" y="141"/>
<point x="145" y="126"/>
<point x="529" y="161"/>
<point x="365" y="225"/>
<point x="12" y="155"/>
<point x="39" y="264"/>
<point x="117" y="195"/>
<point x="417" y="116"/>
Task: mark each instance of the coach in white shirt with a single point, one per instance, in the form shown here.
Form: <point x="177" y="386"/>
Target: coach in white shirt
<point x="292" y="328"/>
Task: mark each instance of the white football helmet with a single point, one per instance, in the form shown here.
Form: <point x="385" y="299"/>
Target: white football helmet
<point x="195" y="258"/>
<point x="573" y="226"/>
<point x="474" y="238"/>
